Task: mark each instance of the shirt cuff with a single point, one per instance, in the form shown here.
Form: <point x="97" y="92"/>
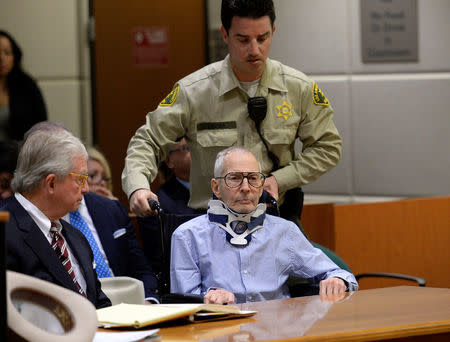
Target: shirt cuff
<point x="152" y="300"/>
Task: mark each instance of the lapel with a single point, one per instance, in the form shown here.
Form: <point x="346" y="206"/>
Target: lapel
<point x="37" y="242"/>
<point x="104" y="225"/>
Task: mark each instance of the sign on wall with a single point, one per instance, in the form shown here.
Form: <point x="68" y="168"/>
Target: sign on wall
<point x="150" y="46"/>
<point x="389" y="31"/>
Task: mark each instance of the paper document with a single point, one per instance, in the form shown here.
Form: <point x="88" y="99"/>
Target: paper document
<point x="135" y="315"/>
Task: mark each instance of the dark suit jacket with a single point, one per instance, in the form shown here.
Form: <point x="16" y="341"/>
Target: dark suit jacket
<point x="173" y="198"/>
<point x="29" y="252"/>
<point x="118" y="238"/>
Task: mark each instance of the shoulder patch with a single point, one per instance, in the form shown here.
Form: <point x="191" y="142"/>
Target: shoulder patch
<point x="170" y="99"/>
<point x="318" y="96"/>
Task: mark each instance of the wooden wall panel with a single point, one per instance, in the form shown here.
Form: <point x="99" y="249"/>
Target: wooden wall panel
<point x="318" y="223"/>
<point x="410" y="236"/>
<point x="126" y="92"/>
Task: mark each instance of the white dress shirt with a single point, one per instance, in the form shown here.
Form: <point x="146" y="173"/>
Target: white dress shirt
<point x="43" y="222"/>
<point x="202" y="258"/>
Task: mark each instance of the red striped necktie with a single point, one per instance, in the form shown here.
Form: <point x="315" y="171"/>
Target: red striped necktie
<point x="60" y="247"/>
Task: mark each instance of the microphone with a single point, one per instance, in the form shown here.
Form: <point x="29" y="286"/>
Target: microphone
<point x="257" y="109"/>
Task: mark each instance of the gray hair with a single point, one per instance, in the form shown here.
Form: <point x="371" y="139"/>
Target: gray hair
<point x="44" y="153"/>
<point x="220" y="158"/>
<point x="48" y="126"/>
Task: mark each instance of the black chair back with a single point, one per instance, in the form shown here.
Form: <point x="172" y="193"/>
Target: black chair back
<point x="168" y="223"/>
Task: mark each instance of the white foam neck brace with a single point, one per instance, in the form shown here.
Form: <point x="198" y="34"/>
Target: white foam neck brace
<point x="220" y="214"/>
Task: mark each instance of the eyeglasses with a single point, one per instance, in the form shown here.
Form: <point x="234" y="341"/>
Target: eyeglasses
<point x="98" y="178"/>
<point x="235" y="179"/>
<point x="81" y="179"/>
<point x="182" y="148"/>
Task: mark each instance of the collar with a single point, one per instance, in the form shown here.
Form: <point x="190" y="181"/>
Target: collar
<point x="183" y="182"/>
<point x="82" y="209"/>
<point x="272" y="77"/>
<point x="42" y="221"/>
<point x="228" y="80"/>
<point x="221" y="215"/>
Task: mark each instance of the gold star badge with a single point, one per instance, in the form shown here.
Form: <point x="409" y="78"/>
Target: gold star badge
<point x="284" y="110"/>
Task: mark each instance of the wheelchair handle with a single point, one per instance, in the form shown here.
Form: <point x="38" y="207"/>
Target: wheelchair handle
<point x="154" y="205"/>
<point x="270" y="200"/>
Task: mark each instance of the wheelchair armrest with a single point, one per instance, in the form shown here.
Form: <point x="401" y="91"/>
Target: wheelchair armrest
<point x="418" y="280"/>
<point x="173" y="298"/>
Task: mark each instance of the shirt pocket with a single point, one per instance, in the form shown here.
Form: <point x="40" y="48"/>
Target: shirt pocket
<point x="211" y="142"/>
<point x="222" y="134"/>
<point x="281" y="142"/>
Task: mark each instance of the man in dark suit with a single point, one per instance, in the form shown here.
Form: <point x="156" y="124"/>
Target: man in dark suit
<point x="49" y="181"/>
<point x="116" y="239"/>
<point x="173" y="195"/>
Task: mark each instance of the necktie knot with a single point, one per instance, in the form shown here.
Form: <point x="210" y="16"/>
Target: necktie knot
<point x="54" y="231"/>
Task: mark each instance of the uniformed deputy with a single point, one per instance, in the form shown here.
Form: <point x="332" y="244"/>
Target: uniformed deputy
<point x="210" y="108"/>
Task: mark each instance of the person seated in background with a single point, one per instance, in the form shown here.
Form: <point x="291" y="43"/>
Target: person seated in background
<point x="238" y="253"/>
<point x="21" y="101"/>
<point x="99" y="174"/>
<point x="109" y="230"/>
<point x="173" y="197"/>
<point x="49" y="182"/>
<point x="9" y="151"/>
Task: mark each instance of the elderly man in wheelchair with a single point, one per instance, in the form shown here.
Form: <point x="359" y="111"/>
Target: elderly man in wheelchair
<point x="238" y="253"/>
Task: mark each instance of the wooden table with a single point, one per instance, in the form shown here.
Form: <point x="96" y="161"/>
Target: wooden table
<point x="405" y="313"/>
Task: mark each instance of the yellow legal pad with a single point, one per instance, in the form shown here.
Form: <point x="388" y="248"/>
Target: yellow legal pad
<point x="138" y="316"/>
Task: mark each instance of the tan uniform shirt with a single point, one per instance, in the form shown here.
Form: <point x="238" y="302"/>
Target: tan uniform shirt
<point x="209" y="107"/>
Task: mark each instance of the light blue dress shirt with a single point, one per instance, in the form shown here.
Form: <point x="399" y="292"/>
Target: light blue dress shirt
<point x="202" y="258"/>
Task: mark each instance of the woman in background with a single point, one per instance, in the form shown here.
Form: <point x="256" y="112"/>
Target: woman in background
<point x="99" y="172"/>
<point x="21" y="101"/>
